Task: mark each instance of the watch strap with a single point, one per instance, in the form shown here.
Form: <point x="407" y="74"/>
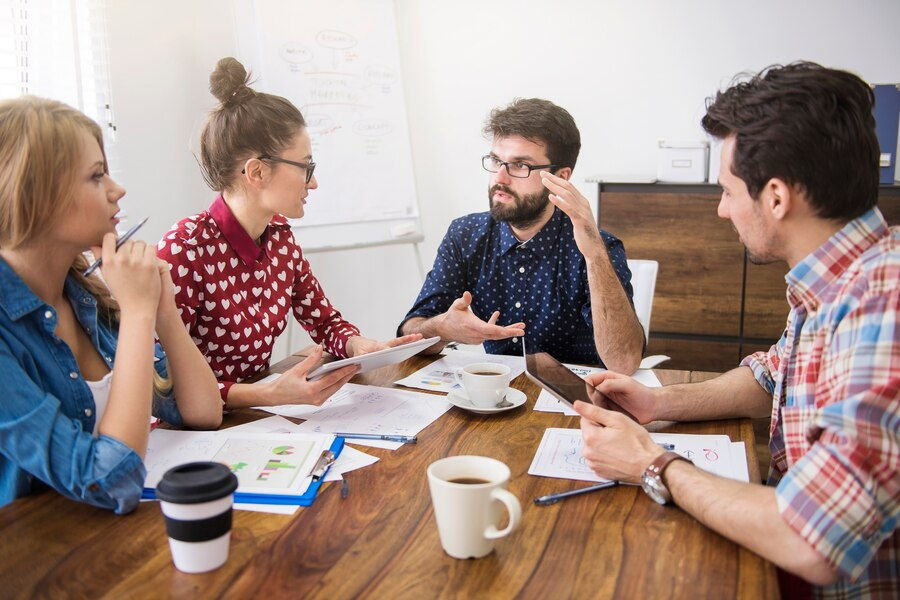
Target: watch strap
<point x="655" y="472"/>
<point x="661" y="462"/>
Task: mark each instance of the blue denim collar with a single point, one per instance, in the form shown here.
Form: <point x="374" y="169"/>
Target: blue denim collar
<point x="18" y="300"/>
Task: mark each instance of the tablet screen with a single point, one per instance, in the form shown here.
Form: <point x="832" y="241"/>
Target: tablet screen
<point x="556" y="378"/>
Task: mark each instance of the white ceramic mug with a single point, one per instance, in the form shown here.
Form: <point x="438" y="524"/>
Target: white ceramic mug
<point x="484" y="383"/>
<point x="468" y="494"/>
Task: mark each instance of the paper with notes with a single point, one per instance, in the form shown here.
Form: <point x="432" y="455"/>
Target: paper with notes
<point x="369" y="409"/>
<point x="559" y="455"/>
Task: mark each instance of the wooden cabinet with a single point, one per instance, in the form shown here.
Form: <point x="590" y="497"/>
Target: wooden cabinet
<point x="712" y="306"/>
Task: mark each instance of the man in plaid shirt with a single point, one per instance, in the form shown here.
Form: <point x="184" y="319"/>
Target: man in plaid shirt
<point x="799" y="174"/>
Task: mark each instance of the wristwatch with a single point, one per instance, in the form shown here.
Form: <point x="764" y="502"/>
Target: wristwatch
<point x="651" y="480"/>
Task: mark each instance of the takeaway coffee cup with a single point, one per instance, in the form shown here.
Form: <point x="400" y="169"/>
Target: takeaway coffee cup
<point x="468" y="494"/>
<point x="484" y="383"/>
<point x="196" y="500"/>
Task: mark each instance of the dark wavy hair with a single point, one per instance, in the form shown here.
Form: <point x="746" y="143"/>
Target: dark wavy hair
<point x="539" y="121"/>
<point x="246" y="123"/>
<point x="808" y="125"/>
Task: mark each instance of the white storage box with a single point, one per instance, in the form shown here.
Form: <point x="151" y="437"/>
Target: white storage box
<point x="715" y="159"/>
<point x="683" y="162"/>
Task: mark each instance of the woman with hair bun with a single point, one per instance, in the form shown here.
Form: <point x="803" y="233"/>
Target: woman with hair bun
<point x="80" y="371"/>
<point x="238" y="271"/>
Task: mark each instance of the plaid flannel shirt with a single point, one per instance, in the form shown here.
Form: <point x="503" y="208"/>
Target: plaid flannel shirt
<point x="835" y="380"/>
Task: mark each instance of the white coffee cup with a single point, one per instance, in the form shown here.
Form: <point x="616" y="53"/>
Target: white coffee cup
<point x="484" y="383"/>
<point x="468" y="493"/>
<point x="196" y="500"/>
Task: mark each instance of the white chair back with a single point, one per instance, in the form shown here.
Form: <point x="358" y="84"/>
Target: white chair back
<point x="643" y="280"/>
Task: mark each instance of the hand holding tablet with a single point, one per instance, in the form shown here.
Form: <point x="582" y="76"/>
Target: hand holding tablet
<point x="376" y="360"/>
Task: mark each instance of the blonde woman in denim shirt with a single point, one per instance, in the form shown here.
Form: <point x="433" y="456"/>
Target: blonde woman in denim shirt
<point x="81" y="373"/>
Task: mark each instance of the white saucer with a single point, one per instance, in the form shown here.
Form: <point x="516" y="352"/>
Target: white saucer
<point x="459" y="399"/>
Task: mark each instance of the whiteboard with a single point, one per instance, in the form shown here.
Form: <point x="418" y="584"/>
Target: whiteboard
<point x="339" y="63"/>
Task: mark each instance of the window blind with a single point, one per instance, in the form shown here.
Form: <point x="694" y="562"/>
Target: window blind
<point x="58" y="49"/>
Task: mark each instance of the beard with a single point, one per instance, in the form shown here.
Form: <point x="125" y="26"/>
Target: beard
<point x="523" y="212"/>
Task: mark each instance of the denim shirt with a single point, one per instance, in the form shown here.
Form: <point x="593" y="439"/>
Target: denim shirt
<point x="47" y="410"/>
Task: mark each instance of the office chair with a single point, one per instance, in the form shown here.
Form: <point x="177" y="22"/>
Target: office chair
<point x="643" y="280"/>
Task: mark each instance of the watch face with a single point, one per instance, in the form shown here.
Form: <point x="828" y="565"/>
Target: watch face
<point x="655" y="488"/>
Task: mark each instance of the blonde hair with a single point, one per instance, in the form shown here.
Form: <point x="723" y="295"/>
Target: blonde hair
<point x="40" y="145"/>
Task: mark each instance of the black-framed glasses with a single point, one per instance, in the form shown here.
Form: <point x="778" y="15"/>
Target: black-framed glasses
<point x="522" y="170"/>
<point x="310" y="167"/>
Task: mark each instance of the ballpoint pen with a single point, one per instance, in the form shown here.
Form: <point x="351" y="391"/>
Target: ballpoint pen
<point x="666" y="446"/>
<point x="122" y="239"/>
<point x="553" y="498"/>
<point x="404" y="439"/>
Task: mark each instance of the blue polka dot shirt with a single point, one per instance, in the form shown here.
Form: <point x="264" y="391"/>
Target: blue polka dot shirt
<point x="542" y="283"/>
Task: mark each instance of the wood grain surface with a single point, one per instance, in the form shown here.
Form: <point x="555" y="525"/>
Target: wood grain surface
<point x="382" y="542"/>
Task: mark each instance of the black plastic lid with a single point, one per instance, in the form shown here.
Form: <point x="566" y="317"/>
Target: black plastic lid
<point x="196" y="482"/>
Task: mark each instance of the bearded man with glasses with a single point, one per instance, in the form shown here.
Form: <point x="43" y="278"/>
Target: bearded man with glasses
<point x="536" y="261"/>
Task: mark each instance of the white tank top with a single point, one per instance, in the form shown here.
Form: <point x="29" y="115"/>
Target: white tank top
<point x="100" y="390"/>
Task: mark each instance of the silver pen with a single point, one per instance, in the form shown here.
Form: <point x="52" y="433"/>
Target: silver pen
<point x="122" y="239"/>
<point x="403" y="439"/>
<point x="553" y="498"/>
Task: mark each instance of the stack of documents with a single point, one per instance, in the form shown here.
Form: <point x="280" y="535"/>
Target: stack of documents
<point x="271" y="468"/>
<point x="368" y="409"/>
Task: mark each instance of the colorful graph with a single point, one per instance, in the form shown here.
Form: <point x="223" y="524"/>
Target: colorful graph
<point x="283" y="450"/>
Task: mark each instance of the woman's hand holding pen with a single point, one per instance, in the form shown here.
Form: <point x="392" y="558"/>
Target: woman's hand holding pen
<point x="132" y="274"/>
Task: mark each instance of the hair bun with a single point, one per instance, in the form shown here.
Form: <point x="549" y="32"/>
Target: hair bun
<point x="228" y="82"/>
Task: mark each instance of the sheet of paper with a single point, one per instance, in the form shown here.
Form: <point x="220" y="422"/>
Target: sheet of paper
<point x="273" y="424"/>
<point x="349" y="460"/>
<point x="547" y="403"/>
<point x="264" y="463"/>
<point x="275" y="509"/>
<point x="438" y="376"/>
<point x="739" y="465"/>
<point x="559" y="455"/>
<point x="369" y="409"/>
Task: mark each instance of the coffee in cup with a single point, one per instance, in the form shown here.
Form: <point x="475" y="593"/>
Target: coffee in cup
<point x="196" y="500"/>
<point x="484" y="383"/>
<point x="468" y="494"/>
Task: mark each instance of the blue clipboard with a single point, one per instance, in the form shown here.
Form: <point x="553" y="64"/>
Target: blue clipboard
<point x="304" y="499"/>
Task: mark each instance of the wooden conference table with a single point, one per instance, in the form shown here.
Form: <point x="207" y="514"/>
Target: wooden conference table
<point x="381" y="541"/>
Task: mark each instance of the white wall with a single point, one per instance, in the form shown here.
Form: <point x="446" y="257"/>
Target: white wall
<point x="631" y="73"/>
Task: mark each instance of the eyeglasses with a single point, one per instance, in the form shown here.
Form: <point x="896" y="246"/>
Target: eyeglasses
<point x="310" y="166"/>
<point x="522" y="170"/>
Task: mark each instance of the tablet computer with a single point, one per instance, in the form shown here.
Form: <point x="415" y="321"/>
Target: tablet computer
<point x="377" y="359"/>
<point x="556" y="377"/>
